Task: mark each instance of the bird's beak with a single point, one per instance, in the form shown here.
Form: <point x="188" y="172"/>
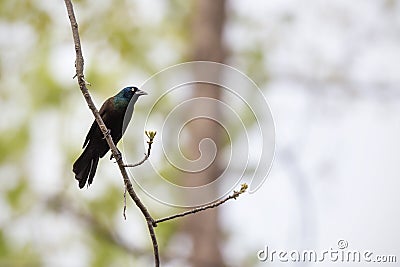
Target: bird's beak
<point x="140" y="92"/>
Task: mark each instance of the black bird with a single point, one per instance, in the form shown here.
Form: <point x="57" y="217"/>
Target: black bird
<point x="113" y="113"/>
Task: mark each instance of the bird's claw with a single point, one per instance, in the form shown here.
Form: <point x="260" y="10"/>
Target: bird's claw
<point x="119" y="156"/>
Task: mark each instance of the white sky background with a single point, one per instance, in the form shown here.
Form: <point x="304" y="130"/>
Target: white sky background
<point x="334" y="93"/>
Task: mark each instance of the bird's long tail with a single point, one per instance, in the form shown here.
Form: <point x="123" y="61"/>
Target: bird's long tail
<point x="85" y="166"/>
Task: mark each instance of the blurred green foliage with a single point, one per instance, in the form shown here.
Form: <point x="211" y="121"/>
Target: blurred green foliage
<point x="24" y="256"/>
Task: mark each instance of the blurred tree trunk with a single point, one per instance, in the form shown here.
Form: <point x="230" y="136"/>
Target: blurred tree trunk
<point x="203" y="228"/>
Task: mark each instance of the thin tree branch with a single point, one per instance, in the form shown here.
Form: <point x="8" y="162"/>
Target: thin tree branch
<point x="151" y="136"/>
<point x="234" y="195"/>
<point x="79" y="63"/>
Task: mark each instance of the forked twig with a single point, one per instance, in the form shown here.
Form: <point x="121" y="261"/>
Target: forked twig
<point x="150" y="135"/>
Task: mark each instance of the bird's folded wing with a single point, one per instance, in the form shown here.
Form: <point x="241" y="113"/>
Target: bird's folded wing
<point x="95" y="131"/>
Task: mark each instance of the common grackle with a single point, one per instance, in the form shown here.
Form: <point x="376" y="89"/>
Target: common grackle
<point x="112" y="112"/>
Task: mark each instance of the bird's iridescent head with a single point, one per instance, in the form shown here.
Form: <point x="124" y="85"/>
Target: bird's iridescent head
<point x="130" y="91"/>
